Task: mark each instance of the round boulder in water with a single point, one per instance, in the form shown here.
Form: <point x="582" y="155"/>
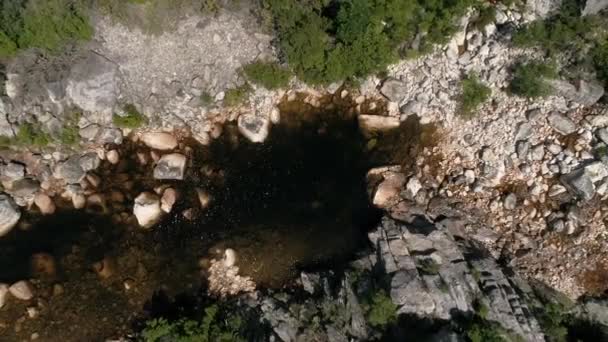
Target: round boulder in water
<point x="9" y="214"/>
<point x="147" y="209"/>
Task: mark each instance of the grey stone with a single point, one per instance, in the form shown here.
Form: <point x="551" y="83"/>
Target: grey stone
<point x="534" y="114"/>
<point x="110" y="136"/>
<point x="393" y="89"/>
<point x="523" y="131"/>
<point x="13" y="171"/>
<point x="596" y="171"/>
<point x="522" y="148"/>
<point x="254" y="128"/>
<point x="597" y="120"/>
<point x="9" y="214"/>
<point x="93" y="84"/>
<point x="510" y="201"/>
<point x="171" y="166"/>
<point x="561" y="123"/>
<point x="583" y="92"/>
<point x="579" y="184"/>
<point x="70" y="170"/>
<point x="594" y="7"/>
<point x="90" y="132"/>
<point x="538" y="152"/>
<point x="89" y="161"/>
<point x="412" y="107"/>
<point x="25" y="188"/>
<point x="602" y="134"/>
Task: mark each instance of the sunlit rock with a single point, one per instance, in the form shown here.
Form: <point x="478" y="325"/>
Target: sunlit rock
<point x="147" y="209"/>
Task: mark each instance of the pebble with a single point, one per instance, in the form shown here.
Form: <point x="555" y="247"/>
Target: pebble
<point x="113" y="157"/>
<point x="44" y="203"/>
<point x="22" y="290"/>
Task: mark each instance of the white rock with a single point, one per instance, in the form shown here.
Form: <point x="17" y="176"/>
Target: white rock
<point x="596" y="171"/>
<point x="44" y="203"/>
<point x="22" y="290"/>
<point x="254" y="128"/>
<point x="147" y="209"/>
<point x="113" y="157"/>
<point x="168" y="200"/>
<point x="9" y="214"/>
<point x="171" y="166"/>
<point x="413" y="186"/>
<point x="159" y="140"/>
<point x="229" y="257"/>
<point x="387" y="192"/>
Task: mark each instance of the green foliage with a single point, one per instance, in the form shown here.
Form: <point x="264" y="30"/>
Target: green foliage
<point x="237" y="96"/>
<point x="132" y="118"/>
<point x="600" y="60"/>
<point x="553" y="321"/>
<point x="474" y="93"/>
<point x="530" y="79"/>
<point x="428" y="266"/>
<point x="206" y="99"/>
<point x="484" y="332"/>
<point x="487" y="15"/>
<point x="211" y="328"/>
<point x="45" y="24"/>
<point x="269" y="75"/>
<point x="31" y="135"/>
<point x="326" y="41"/>
<point x="69" y="134"/>
<point x="381" y="310"/>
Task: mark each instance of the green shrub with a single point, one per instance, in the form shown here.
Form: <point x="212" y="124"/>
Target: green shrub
<point x="484" y="332"/>
<point x="45" y="24"/>
<point x="269" y="75"/>
<point x="211" y="328"/>
<point x="530" y="79"/>
<point x="132" y="118"/>
<point x="474" y="93"/>
<point x="326" y="41"/>
<point x="600" y="60"/>
<point x="487" y="15"/>
<point x="237" y="96"/>
<point x="381" y="310"/>
<point x="553" y="320"/>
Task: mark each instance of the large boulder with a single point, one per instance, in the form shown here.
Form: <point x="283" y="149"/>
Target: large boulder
<point x="171" y="166"/>
<point x="9" y="214"/>
<point x="579" y="183"/>
<point x="561" y="123"/>
<point x="70" y="170"/>
<point x="93" y="84"/>
<point x="147" y="209"/>
<point x="582" y="92"/>
<point x="393" y="89"/>
<point x="254" y="128"/>
<point x="594" y="6"/>
<point x="159" y="140"/>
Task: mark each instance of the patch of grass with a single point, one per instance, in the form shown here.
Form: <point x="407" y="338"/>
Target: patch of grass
<point x="268" y="74"/>
<point x="31" y="135"/>
<point x="381" y="311"/>
<point x="45" y="24"/>
<point x="600" y="61"/>
<point x="485" y="332"/>
<point x="474" y="93"/>
<point x="70" y="133"/>
<point x="553" y="320"/>
<point x="237" y="96"/>
<point x="428" y="266"/>
<point x="206" y="99"/>
<point x="132" y="118"/>
<point x="530" y="79"/>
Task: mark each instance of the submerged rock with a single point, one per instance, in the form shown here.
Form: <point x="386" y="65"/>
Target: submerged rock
<point x="254" y="128"/>
<point x="370" y="124"/>
<point x="9" y="214"/>
<point x="22" y="290"/>
<point x="3" y="294"/>
<point x="171" y="166"/>
<point x="147" y="209"/>
<point x="159" y="140"/>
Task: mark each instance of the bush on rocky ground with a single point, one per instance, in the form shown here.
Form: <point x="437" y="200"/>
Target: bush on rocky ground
<point x="267" y="74"/>
<point x="211" y="327"/>
<point x="530" y="79"/>
<point x="567" y="32"/>
<point x="131" y="118"/>
<point x="326" y="41"/>
<point x="474" y="93"/>
<point x="46" y="24"/>
<point x="381" y="311"/>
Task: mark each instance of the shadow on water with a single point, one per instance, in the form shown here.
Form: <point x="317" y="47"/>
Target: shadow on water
<point x="55" y="235"/>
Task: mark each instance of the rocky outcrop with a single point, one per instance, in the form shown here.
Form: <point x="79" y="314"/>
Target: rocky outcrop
<point x="594" y="6"/>
<point x="93" y="85"/>
<point x="582" y="92"/>
<point x="9" y="214"/>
